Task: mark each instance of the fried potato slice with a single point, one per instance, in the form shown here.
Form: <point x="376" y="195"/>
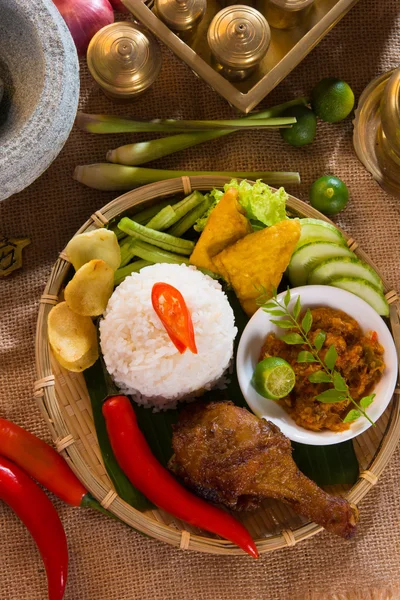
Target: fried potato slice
<point x="100" y="243"/>
<point x="225" y="225"/>
<point x="73" y="338"/>
<point x="90" y="289"/>
<point x="258" y="261"/>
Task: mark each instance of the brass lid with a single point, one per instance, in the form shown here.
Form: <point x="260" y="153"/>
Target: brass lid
<point x="292" y="5"/>
<point x="124" y="58"/>
<point x="239" y="36"/>
<point x="181" y="15"/>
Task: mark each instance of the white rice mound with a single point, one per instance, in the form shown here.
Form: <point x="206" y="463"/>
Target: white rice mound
<point x="138" y="352"/>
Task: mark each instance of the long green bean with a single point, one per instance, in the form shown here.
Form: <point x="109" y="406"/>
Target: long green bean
<point x="170" y="215"/>
<point x="126" y="251"/>
<point x="142" y="152"/>
<point x="184" y="206"/>
<point x="120" y="234"/>
<point x="190" y="218"/>
<point x="145" y="215"/>
<point x="156" y="238"/>
<point x="111" y="177"/>
<point x="133" y="267"/>
<point x="163" y="219"/>
<point x="157" y="255"/>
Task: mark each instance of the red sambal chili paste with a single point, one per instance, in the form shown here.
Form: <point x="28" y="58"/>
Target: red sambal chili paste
<point x="360" y="362"/>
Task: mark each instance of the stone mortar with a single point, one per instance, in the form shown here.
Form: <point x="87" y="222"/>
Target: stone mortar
<point x="40" y="71"/>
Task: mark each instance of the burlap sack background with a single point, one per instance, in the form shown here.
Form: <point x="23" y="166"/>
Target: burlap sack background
<point x="108" y="561"/>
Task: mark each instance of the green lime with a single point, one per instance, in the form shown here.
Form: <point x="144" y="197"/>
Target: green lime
<point x="332" y="99"/>
<point x="273" y="378"/>
<point x="329" y="195"/>
<point x="302" y="132"/>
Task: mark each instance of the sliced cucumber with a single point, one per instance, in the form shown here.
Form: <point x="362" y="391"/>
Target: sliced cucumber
<point x="305" y="258"/>
<point x="343" y="267"/>
<point x="365" y="290"/>
<point x="313" y="230"/>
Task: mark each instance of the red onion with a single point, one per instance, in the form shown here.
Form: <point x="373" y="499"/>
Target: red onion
<point x="117" y="5"/>
<point x="84" y="18"/>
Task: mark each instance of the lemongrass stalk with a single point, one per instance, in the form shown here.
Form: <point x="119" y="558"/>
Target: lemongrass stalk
<point x="156" y="238"/>
<point x="111" y="177"/>
<point x="142" y="152"/>
<point x="111" y="124"/>
<point x="133" y="267"/>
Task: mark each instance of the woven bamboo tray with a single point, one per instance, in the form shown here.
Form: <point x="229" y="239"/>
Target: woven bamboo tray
<point x="65" y="405"/>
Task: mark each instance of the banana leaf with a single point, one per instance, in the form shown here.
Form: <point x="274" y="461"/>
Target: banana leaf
<point x="326" y="465"/>
<point x="97" y="382"/>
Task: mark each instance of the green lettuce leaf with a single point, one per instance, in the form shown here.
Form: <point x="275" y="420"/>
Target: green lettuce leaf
<point x="264" y="207"/>
<point x="260" y="201"/>
<point x="201" y="222"/>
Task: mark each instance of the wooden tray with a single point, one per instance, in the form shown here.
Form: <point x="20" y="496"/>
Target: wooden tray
<point x="64" y="402"/>
<point x="288" y="47"/>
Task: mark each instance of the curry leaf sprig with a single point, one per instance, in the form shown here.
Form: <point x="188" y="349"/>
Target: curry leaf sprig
<point x="327" y="373"/>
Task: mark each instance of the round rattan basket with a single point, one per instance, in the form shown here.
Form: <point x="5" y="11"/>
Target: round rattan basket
<point x="64" y="402"/>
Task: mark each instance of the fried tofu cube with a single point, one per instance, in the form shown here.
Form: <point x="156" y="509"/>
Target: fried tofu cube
<point x="226" y="224"/>
<point x="258" y="261"/>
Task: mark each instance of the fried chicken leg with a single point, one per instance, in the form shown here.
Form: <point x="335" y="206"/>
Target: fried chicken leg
<point x="230" y="456"/>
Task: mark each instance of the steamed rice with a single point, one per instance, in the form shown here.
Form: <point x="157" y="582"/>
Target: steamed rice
<point x="138" y="351"/>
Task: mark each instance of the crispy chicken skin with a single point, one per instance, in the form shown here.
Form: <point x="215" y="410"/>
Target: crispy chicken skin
<point x="230" y="456"/>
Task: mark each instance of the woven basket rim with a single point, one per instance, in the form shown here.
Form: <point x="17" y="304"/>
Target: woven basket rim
<point x="49" y="404"/>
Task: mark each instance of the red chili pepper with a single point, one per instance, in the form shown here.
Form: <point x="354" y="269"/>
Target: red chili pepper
<point x="41" y="462"/>
<point x="171" y="308"/>
<point x="36" y="511"/>
<point x="154" y="481"/>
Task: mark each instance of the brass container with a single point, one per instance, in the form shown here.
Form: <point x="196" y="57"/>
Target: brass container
<point x="377" y="131"/>
<point x="124" y="59"/>
<point x="239" y="37"/>
<point x="225" y="3"/>
<point x="285" y="14"/>
<point x="181" y="16"/>
<point x="288" y="48"/>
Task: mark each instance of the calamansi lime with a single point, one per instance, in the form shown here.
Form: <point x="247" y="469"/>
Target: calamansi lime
<point x="273" y="378"/>
<point x="332" y="99"/>
<point x="302" y="132"/>
<point x="329" y="195"/>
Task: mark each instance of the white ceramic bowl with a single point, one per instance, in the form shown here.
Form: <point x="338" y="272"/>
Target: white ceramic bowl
<point x="313" y="296"/>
